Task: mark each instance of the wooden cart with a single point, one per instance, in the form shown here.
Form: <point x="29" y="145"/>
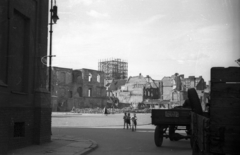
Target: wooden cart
<point x="218" y="132"/>
<point x="170" y="119"/>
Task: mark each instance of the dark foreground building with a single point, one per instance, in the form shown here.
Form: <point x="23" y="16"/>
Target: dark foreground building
<point x="25" y="112"/>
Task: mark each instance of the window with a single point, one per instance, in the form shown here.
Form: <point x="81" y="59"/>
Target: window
<point x="98" y="91"/>
<point x="89" y="92"/>
<point x="61" y="92"/>
<point x="62" y="77"/>
<point x="89" y="77"/>
<point x="79" y="90"/>
<point x="19" y="129"/>
<point x="19" y="53"/>
<point x="70" y="94"/>
<point x="98" y="78"/>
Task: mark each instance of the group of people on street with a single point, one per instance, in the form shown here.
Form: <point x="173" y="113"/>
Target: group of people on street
<point x="130" y="122"/>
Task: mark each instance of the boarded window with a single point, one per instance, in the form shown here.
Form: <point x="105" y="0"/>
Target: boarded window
<point x="79" y="90"/>
<point x="19" y="129"/>
<point x="3" y="45"/>
<point x="69" y="94"/>
<point x="19" y="52"/>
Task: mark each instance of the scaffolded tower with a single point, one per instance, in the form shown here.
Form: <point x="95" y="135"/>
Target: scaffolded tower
<point x="114" y="68"/>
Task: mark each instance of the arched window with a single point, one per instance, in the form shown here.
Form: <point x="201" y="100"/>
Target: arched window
<point x="98" y="78"/>
<point x="61" y="77"/>
<point x="89" y="77"/>
<point x="90" y="92"/>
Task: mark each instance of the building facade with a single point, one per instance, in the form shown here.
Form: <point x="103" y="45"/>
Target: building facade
<point x="137" y="89"/>
<point x="82" y="88"/>
<point x="25" y="108"/>
<point x="88" y="89"/>
<point x="61" y="88"/>
<point x="174" y="88"/>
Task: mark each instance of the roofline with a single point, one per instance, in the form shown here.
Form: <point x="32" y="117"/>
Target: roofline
<point x="61" y="68"/>
<point x="88" y="69"/>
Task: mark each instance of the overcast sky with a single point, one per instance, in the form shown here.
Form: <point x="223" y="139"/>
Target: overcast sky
<point x="156" y="37"/>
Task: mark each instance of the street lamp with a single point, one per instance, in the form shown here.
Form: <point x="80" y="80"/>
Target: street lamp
<point x="53" y="20"/>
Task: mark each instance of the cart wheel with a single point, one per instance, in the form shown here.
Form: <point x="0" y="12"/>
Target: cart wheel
<point x="158" y="136"/>
<point x="194" y="101"/>
<point x="171" y="132"/>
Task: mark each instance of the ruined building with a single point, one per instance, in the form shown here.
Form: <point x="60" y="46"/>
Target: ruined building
<point x="88" y="89"/>
<point x="81" y="88"/>
<point x="114" y="68"/>
<point x="25" y="108"/>
<point x="137" y="89"/>
<point x="61" y="89"/>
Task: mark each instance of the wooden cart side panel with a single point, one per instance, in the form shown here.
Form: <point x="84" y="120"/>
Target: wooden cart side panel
<point x="225" y="116"/>
<point x="200" y="126"/>
<point x="221" y="74"/>
<point x="225" y="110"/>
<point x="233" y="148"/>
<point x="233" y="103"/>
<point x="225" y="90"/>
<point x="159" y="118"/>
<point x="229" y="129"/>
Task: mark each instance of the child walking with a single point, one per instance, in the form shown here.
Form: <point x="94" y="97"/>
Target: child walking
<point x="124" y="120"/>
<point x="128" y="120"/>
<point x="134" y="122"/>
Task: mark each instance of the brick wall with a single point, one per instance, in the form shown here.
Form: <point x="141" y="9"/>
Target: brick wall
<point x="10" y="116"/>
<point x="25" y="110"/>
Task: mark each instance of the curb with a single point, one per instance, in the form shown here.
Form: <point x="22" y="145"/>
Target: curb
<point x="90" y="148"/>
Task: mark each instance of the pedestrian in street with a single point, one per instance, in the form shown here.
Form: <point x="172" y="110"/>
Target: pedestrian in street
<point x="124" y="120"/>
<point x="134" y="122"/>
<point x="128" y="120"/>
<point x="105" y="111"/>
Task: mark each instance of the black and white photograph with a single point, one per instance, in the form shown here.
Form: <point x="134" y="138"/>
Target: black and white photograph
<point x="119" y="77"/>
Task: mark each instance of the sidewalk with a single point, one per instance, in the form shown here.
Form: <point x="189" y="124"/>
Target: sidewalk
<point x="60" y="145"/>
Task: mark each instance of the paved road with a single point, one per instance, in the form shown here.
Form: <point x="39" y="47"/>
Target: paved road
<point x="94" y="120"/>
<point x="112" y="139"/>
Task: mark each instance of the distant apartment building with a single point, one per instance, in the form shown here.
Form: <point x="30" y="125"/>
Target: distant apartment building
<point x="114" y="85"/>
<point x="136" y="90"/>
<point x="82" y="88"/>
<point x="174" y="88"/>
<point x="193" y="82"/>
